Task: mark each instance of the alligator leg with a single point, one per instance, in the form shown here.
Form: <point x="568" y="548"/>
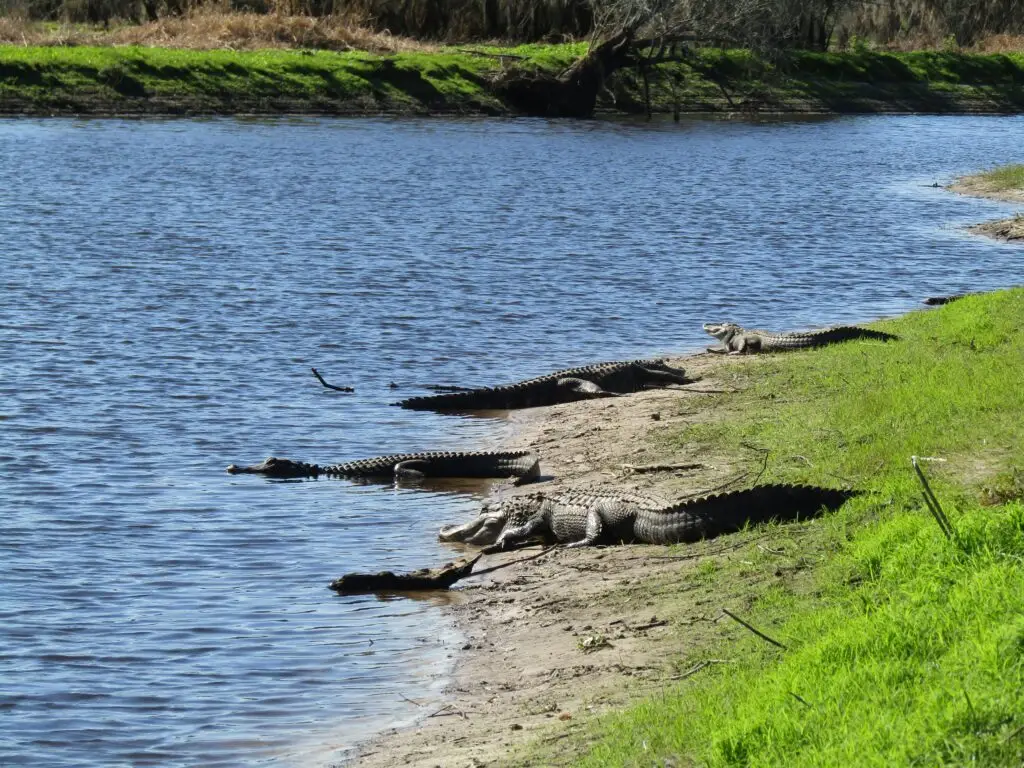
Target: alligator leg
<point x="594" y="527"/>
<point x="512" y="535"/>
<point x="584" y="387"/>
<point x="413" y="469"/>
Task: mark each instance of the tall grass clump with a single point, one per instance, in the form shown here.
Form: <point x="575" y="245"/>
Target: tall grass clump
<point x="1004" y="178"/>
<point x="908" y="647"/>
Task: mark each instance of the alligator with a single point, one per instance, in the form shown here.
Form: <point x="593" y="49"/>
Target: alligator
<point x="565" y="386"/>
<point x="737" y="340"/>
<point x="580" y="518"/>
<point x="521" y="465"/>
<point x="938" y="301"/>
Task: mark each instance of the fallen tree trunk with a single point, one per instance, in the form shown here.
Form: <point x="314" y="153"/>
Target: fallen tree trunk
<point x="574" y="92"/>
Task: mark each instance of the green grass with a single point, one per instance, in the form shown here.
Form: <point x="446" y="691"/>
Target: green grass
<point x="1002" y="179"/>
<point x="105" y="79"/>
<point x="903" y="648"/>
<point x="226" y="80"/>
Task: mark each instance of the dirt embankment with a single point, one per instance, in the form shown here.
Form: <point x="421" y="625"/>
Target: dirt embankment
<point x="560" y="637"/>
<point x="1011" y="229"/>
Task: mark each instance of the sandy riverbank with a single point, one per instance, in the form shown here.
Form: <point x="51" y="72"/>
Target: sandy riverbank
<point x="567" y="635"/>
<point x="978" y="185"/>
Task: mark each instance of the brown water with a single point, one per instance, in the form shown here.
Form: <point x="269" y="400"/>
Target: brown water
<point x="168" y="284"/>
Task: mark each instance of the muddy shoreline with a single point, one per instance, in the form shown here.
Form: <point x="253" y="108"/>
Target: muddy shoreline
<point x="1008" y="230"/>
<point x="565" y="635"/>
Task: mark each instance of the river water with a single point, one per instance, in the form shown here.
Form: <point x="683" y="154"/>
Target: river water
<point x="168" y="284"/>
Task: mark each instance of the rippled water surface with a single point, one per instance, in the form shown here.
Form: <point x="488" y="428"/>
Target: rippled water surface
<point x="168" y="284"/>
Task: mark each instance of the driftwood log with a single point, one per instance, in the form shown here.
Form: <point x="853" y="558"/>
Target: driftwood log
<point x="387" y="581"/>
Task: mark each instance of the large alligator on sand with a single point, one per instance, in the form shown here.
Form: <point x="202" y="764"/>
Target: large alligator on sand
<point x="521" y="465"/>
<point x="566" y="386"/>
<point x="580" y="518"/>
<point x="737" y="340"/>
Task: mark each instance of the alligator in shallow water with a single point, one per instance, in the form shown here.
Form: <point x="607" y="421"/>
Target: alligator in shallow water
<point x="584" y="517"/>
<point x="737" y="340"/>
<point x="522" y="465"/>
<point x="566" y="386"/>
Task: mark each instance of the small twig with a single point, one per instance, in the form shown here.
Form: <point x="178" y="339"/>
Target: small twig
<point x="698" y="667"/>
<point x="694" y="556"/>
<point x="800" y="698"/>
<point x="684" y="388"/>
<point x="764" y="465"/>
<point x="516" y="562"/>
<point x="1014" y="734"/>
<point x="449" y="709"/>
<point x="931" y="502"/>
<point x="418" y="704"/>
<point x="637" y="470"/>
<point x="649" y="625"/>
<point x="717" y="488"/>
<point x="330" y="386"/>
<point x="757" y="632"/>
<point x="501" y="56"/>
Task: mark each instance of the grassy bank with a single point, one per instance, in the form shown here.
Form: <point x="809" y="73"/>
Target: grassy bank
<point x="131" y="80"/>
<point x="901" y="647"/>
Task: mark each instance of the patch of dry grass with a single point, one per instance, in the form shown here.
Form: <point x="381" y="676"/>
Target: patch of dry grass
<point x="1005" y="229"/>
<point x="933" y="42"/>
<point x="209" y="30"/>
<point x="999" y="44"/>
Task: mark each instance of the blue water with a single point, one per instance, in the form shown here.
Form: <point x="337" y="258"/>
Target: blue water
<point x="168" y="284"/>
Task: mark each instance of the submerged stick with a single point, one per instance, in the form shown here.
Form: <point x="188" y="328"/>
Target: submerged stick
<point x="330" y="386"/>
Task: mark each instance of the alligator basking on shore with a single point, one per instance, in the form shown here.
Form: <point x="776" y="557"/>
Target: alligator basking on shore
<point x="580" y="518"/>
<point x="737" y="340"/>
<point x="521" y="465"/>
<point x="566" y="386"/>
<point x="938" y="301"/>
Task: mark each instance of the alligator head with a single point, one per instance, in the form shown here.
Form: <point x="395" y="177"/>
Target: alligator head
<point x="722" y="331"/>
<point x="494" y="518"/>
<point x="274" y="467"/>
<point x="484" y="530"/>
<point x="661" y="372"/>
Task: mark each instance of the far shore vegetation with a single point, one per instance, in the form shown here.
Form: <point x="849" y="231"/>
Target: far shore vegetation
<point x="556" y="58"/>
<point x="466" y="79"/>
<point x="900" y="643"/>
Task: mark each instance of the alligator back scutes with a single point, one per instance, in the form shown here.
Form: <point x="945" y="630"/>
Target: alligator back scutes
<point x="477" y="464"/>
<point x="559" y="387"/>
<point x="826" y="335"/>
<point x="715" y="514"/>
<point x="387" y="464"/>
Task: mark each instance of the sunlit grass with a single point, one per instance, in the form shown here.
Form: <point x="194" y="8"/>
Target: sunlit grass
<point x="909" y="648"/>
